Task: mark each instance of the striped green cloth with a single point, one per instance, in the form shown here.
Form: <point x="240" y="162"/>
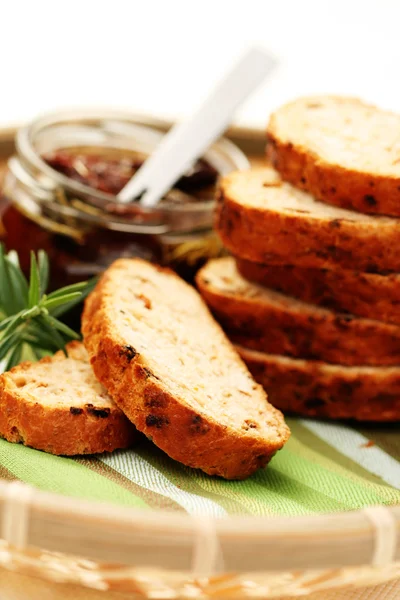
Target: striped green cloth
<point x="324" y="467"/>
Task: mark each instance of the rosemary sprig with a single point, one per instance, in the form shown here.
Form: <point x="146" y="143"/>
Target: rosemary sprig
<point x="30" y="327"/>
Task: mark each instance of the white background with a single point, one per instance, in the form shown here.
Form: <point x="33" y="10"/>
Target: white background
<point x="163" y="56"/>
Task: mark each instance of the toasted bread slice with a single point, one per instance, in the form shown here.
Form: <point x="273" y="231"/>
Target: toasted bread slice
<point x="367" y="295"/>
<point x="263" y="219"/>
<point x="262" y="319"/>
<point x="58" y="406"/>
<point x="341" y="150"/>
<point x="167" y="364"/>
<point x="316" y="389"/>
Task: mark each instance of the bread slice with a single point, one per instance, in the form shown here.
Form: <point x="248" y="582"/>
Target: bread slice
<point x="341" y="150"/>
<point x="263" y="219"/>
<point x="58" y="406"/>
<point x="364" y="294"/>
<point x="155" y="347"/>
<point x="263" y="319"/>
<point x="316" y="389"/>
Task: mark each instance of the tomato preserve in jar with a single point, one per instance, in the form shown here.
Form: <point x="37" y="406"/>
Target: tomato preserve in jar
<point x="60" y="195"/>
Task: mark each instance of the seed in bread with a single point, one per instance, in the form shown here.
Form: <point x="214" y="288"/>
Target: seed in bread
<point x="341" y="150"/>
<point x="165" y="361"/>
<point x="367" y="295"/>
<point x="263" y="219"/>
<point x="58" y="406"/>
<point x="317" y="389"/>
<point x="257" y="317"/>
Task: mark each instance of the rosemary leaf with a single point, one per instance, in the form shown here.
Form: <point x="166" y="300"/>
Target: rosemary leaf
<point x="3" y="283"/>
<point x="44" y="271"/>
<point x="18" y="282"/>
<point x="62" y="327"/>
<point x="7" y="299"/>
<point x="52" y="303"/>
<point x="14" y="357"/>
<point x="5" y="322"/>
<point x="36" y="334"/>
<point x="87" y="287"/>
<point x="34" y="283"/>
<point x="13" y="258"/>
<point x="68" y="289"/>
<point x="12" y="324"/>
<point x="8" y="343"/>
<point x="57" y="338"/>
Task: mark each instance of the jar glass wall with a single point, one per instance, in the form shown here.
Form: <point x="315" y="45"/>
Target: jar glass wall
<point x="59" y="195"/>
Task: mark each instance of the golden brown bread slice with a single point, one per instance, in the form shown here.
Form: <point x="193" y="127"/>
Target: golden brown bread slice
<point x="263" y="219"/>
<point x="167" y="364"/>
<point x="364" y="294"/>
<point x="316" y="389"/>
<point x="58" y="406"/>
<point x="262" y="319"/>
<point x="341" y="150"/>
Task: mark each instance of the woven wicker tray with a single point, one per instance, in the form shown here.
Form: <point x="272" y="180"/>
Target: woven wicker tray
<point x="161" y="554"/>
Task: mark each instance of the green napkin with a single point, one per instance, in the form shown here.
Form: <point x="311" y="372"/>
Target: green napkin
<point x="324" y="467"/>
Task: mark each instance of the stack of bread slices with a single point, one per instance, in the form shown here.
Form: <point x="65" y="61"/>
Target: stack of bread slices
<point x="311" y="295"/>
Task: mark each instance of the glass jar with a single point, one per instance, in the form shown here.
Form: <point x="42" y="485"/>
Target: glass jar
<point x="59" y="195"/>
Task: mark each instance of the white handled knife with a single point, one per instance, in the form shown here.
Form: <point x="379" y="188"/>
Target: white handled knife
<point x="187" y="141"/>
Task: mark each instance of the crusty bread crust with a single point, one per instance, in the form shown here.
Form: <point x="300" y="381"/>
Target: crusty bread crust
<point x="316" y="389"/>
<point x="262" y="319"/>
<point x="76" y="428"/>
<point x="260" y="231"/>
<point x="367" y="295"/>
<point x="300" y="158"/>
<point x="190" y="434"/>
